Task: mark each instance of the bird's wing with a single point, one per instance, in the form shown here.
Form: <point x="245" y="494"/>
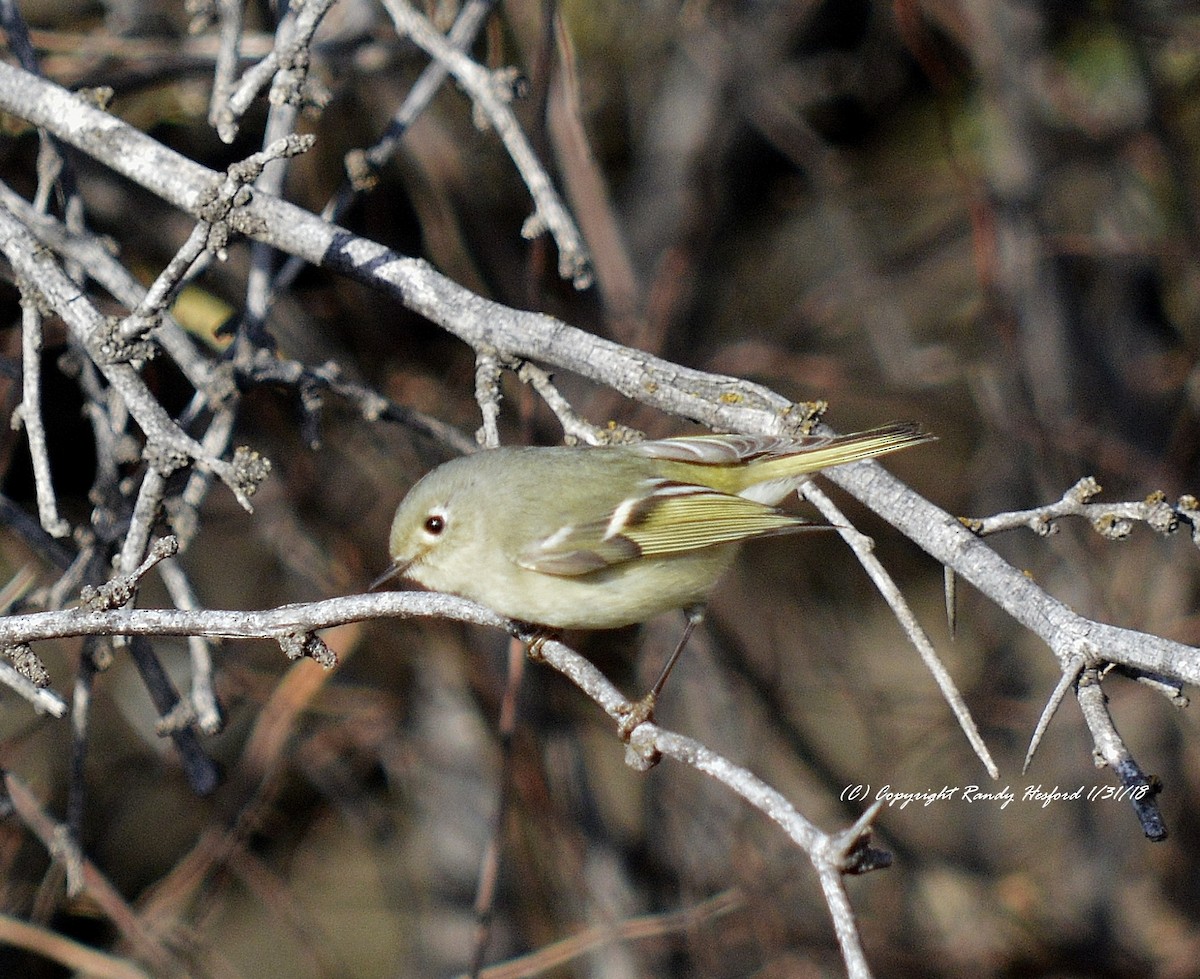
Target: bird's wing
<point x="668" y="518"/>
<point x="725" y="450"/>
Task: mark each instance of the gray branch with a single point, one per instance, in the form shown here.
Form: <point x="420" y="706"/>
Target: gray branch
<point x="502" y="338"/>
<point x="723" y="403"/>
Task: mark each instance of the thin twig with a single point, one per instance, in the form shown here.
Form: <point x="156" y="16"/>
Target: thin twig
<point x="288" y="58"/>
<point x="1139" y="789"/>
<point x="723" y="403"/>
<point x="950" y="591"/>
<point x="95" y="256"/>
<point x="362" y="166"/>
<point x="66" y="952"/>
<point x="166" y="286"/>
<point x="44" y="700"/>
<point x="371" y="405"/>
<point x="649" y="741"/>
<point x="492" y="93"/>
<point x="95" y="885"/>
<point x="861" y="546"/>
<point x="252" y="335"/>
<point x="29" y="414"/>
<point x="488" y="396"/>
<point x="1113" y="521"/>
<point x="1065" y="682"/>
<point x="81" y="713"/>
<point x="183" y="511"/>
<point x="489" y="869"/>
<point x="89" y="329"/>
<point x="229" y="26"/>
<point x="643" y="928"/>
<point x="202" y="698"/>
<point x="575" y="428"/>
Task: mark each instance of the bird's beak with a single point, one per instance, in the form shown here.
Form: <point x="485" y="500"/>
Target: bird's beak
<point x="396" y="570"/>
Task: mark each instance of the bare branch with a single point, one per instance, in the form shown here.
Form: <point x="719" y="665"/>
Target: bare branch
<point x="568" y="950"/>
<point x="1140" y="789"/>
<point x="723" y="403"/>
<point x="229" y="22"/>
<point x="89" y="329"/>
<point x="648" y="740"/>
<point x="91" y="881"/>
<point x="492" y="92"/>
<point x="1068" y="634"/>
<point x="487" y="396"/>
<point x="1113" y="521"/>
<point x="362" y="166"/>
<point x="96" y="256"/>
<point x="288" y="622"/>
<point x="71" y="954"/>
<point x="286" y="64"/>
<point x="44" y="700"/>
<point x="202" y="698"/>
<point x="575" y="428"/>
<point x="370" y="404"/>
<point x="127" y="514"/>
<point x="29" y="414"/>
<point x="862" y="547"/>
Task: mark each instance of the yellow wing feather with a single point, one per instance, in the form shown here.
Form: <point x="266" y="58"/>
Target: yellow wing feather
<point x="672" y="518"/>
<point x="734" y="463"/>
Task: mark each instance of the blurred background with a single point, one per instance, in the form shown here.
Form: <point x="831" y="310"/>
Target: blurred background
<point x="981" y="216"/>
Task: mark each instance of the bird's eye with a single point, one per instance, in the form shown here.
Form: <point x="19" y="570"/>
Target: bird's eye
<point x="434" y="524"/>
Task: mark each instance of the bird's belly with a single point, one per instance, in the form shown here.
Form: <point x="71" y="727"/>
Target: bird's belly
<point x="626" y="593"/>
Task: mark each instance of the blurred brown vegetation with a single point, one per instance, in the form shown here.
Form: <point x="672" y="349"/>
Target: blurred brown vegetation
<point x="980" y="216"/>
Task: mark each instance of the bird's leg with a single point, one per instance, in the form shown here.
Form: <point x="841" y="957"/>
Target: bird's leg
<point x="534" y="637"/>
<point x="639" y="711"/>
<point x="695" y="614"/>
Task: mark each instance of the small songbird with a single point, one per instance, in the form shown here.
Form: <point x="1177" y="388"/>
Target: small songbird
<point x="600" y="537"/>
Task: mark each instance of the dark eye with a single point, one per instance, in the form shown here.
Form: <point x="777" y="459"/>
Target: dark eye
<point x="435" y="523"/>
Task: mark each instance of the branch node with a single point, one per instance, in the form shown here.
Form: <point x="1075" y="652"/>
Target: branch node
<point x="98" y="96"/>
<point x="112" y="594"/>
<point x="216" y="203"/>
<point x="26" y="662"/>
<point x="641" y="749"/>
<point x="163" y="458"/>
<point x="533" y="226"/>
<point x="307" y="645"/>
<point x="294" y="85"/>
<point x="1043" y="525"/>
<point x="112" y="346"/>
<point x="250" y="470"/>
<point x="179" y="717"/>
<point x="857" y="856"/>
<point x="121" y="589"/>
<point x="1083" y="491"/>
<point x="362" y="173"/>
<point x="509" y="84"/>
<point x="1110" y="526"/>
<point x="1160" y="515"/>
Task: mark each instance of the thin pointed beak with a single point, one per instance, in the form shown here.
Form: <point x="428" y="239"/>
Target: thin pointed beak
<point x="396" y="570"/>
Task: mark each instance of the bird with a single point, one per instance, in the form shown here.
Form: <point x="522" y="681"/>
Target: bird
<point x="599" y="537"/>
